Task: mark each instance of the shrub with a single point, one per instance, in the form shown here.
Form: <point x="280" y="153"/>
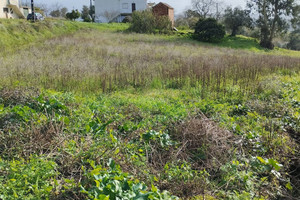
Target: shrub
<point x="146" y="22"/>
<point x="209" y="30"/>
<point x="127" y="19"/>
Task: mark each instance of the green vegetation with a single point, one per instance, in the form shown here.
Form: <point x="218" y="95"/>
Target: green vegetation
<point x="14" y="34"/>
<point x="209" y="30"/>
<point x="74" y="14"/>
<point x="147" y="22"/>
<point x="236" y="18"/>
<point x="100" y="114"/>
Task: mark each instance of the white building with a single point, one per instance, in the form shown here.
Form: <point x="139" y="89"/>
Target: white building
<point x="116" y="10"/>
<point x="13" y="9"/>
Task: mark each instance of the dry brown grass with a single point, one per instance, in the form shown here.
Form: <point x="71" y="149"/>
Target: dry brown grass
<point x="202" y="138"/>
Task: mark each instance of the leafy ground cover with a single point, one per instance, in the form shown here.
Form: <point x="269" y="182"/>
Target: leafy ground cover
<point x="101" y="114"/>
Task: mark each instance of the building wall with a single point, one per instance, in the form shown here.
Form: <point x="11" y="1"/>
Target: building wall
<point x="171" y="16"/>
<point x="116" y="7"/>
<point x="11" y="12"/>
<point x="163" y="10"/>
<point x="160" y="10"/>
<point x="3" y="4"/>
<point x="25" y="10"/>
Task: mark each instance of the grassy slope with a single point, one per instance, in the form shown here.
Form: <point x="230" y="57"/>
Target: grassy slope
<point x="246" y="43"/>
<point x="83" y="129"/>
<point x="14" y="34"/>
<point x="243" y="43"/>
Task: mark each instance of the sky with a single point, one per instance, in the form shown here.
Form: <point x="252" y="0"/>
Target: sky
<point x="179" y="5"/>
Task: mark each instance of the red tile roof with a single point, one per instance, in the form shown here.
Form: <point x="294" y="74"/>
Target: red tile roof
<point x="165" y="5"/>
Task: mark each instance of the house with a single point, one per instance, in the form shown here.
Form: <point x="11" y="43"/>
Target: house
<point x="163" y="9"/>
<point x="117" y="10"/>
<point x="13" y="9"/>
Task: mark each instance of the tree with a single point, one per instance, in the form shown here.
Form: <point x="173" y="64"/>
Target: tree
<point x="56" y="10"/>
<point x="273" y="16"/>
<point x="44" y="8"/>
<point x="209" y="30"/>
<point x="187" y="20"/>
<point x="294" y="42"/>
<point x="63" y="12"/>
<point x="235" y="18"/>
<point x="92" y="12"/>
<point x="110" y="15"/>
<point x="191" y="13"/>
<point x="85" y="13"/>
<point x="75" y="14"/>
<point x="55" y="13"/>
<point x="207" y="8"/>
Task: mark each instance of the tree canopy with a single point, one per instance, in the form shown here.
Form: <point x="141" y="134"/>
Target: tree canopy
<point x="273" y="16"/>
<point x="235" y="18"/>
<point x="75" y="14"/>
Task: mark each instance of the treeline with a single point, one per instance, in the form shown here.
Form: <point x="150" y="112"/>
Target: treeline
<point x="265" y="20"/>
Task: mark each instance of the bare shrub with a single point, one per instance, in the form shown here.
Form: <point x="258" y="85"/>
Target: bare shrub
<point x="200" y="142"/>
<point x="33" y="140"/>
<point x="204" y="143"/>
<point x="11" y="97"/>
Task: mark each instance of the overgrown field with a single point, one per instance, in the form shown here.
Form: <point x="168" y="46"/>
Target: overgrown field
<point x="101" y="114"/>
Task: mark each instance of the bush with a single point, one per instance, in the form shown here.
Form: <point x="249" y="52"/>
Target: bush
<point x="209" y="30"/>
<point x="146" y="22"/>
<point x="127" y="19"/>
<point x="88" y="19"/>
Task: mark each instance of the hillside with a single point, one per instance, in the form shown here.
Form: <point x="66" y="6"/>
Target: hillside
<point x="14" y="34"/>
<point x="88" y="111"/>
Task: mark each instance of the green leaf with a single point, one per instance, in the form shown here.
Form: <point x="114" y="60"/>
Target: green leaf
<point x="153" y="188"/>
<point x="97" y="183"/>
<point x="66" y="120"/>
<point x="103" y="197"/>
<point x="274" y="164"/>
<point x="261" y="160"/>
<point x="288" y="186"/>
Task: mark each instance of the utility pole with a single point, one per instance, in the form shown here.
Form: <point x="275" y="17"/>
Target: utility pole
<point x="217" y="11"/>
<point x="32" y="10"/>
<point x="92" y="10"/>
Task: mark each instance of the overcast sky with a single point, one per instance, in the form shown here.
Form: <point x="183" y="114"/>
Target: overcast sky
<point x="179" y="5"/>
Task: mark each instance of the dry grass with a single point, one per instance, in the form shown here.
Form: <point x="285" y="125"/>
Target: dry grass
<point x="202" y="138"/>
<point x="93" y="61"/>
